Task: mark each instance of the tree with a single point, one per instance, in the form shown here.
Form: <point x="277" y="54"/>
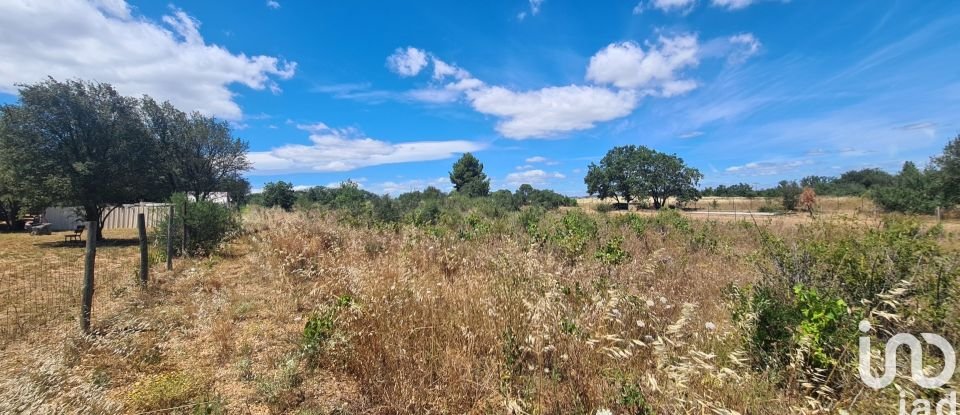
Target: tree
<point x="808" y="200"/>
<point x="912" y="191"/>
<point x="83" y="144"/>
<point x="237" y="189"/>
<point x="468" y="177"/>
<point x="279" y="194"/>
<point x="199" y="153"/>
<point x="948" y="173"/>
<point x="524" y="193"/>
<point x="790" y="194"/>
<point x="10" y="201"/>
<point x="634" y="171"/>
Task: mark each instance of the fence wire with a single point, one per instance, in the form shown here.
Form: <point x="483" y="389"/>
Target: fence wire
<point x="40" y="291"/>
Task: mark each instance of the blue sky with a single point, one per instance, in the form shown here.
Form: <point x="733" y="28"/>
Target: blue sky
<point x="388" y="94"/>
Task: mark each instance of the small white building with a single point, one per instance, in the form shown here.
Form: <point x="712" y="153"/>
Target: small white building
<point x="123" y="217"/>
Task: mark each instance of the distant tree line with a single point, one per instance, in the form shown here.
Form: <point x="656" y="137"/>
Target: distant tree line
<point x="471" y="192"/>
<point x="851" y="183"/>
<point x="82" y="144"/>
<point x="911" y="190"/>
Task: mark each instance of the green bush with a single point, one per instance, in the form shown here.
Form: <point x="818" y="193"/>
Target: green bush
<point x="816" y="287"/>
<point x="207" y="225"/>
<point x="573" y="233"/>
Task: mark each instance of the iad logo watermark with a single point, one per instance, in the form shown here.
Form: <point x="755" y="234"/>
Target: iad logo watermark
<point x="947" y="405"/>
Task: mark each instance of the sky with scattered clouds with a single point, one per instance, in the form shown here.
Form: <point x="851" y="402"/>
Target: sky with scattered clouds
<point x="389" y="94"/>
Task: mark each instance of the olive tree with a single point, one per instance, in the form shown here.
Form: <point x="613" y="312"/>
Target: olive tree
<point x="82" y="144"/>
<point x="631" y="172"/>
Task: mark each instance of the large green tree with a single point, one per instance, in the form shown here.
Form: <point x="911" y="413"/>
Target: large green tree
<point x="630" y="172"/>
<point x="912" y="191"/>
<point x="468" y="177"/>
<point x="948" y="173"/>
<point x="279" y="194"/>
<point x="199" y="154"/>
<point x="83" y="144"/>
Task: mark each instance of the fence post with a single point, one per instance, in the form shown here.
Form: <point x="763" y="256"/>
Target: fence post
<point x="144" y="260"/>
<point x="170" y="237"/>
<point x="88" y="268"/>
<point x="184" y="240"/>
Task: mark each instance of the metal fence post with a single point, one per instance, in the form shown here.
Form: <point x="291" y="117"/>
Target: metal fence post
<point x="144" y="260"/>
<point x="88" y="268"/>
<point x="170" y="237"/>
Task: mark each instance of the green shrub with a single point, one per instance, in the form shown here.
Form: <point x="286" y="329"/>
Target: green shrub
<point x="166" y="390"/>
<point x="207" y="225"/>
<point x="572" y="234"/>
<point x="320" y="328"/>
<point x="603" y="207"/>
<point x="816" y="287"/>
<point x="611" y="253"/>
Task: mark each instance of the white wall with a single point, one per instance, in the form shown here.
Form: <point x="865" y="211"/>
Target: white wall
<point x="125" y="217"/>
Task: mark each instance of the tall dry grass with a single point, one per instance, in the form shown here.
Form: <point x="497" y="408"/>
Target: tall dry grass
<point x="471" y="317"/>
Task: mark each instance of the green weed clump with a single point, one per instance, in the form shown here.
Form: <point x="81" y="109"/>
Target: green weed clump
<point x="801" y="318"/>
<point x="167" y="390"/>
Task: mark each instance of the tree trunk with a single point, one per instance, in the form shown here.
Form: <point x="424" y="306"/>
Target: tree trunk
<point x="91" y="213"/>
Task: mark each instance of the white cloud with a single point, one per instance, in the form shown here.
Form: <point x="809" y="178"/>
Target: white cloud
<point x="682" y="6"/>
<point x="535" y="6"/>
<point x="343" y="149"/>
<point x="404" y="186"/>
<point x="627" y="65"/>
<point x="534" y="9"/>
<point x="532" y="177"/>
<point x="434" y="95"/>
<point x="553" y="110"/>
<point x="407" y="61"/>
<point x="103" y="41"/>
<point x="442" y="70"/>
<point x="536" y="159"/>
<point x="116" y="8"/>
<point x="744" y="45"/>
<point x="273" y="4"/>
<point x="767" y="168"/>
<point x="732" y="4"/>
<point x="691" y="134"/>
<point x="928" y="128"/>
<point x="631" y="71"/>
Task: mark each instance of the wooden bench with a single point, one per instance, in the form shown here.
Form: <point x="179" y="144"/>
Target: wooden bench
<point x="76" y="235"/>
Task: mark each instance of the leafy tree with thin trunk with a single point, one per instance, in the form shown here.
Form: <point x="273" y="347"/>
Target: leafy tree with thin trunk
<point x="279" y="194"/>
<point x="468" y="177"/>
<point x="630" y="172"/>
<point x="199" y="154"/>
<point x="789" y="193"/>
<point x="82" y="144"/>
<point x="948" y="173"/>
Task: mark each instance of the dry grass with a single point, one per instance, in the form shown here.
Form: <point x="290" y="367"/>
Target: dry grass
<point x="421" y="322"/>
<point x="42" y="276"/>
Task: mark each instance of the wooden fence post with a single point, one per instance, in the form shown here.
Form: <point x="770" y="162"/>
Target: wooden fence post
<point x="144" y="260"/>
<point x="184" y="240"/>
<point x="88" y="269"/>
<point x="170" y="237"/>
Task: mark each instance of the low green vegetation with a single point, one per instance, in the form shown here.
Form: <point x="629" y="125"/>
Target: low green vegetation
<point x="207" y="224"/>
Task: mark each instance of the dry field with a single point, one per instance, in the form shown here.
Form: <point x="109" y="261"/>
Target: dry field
<point x="849" y="205"/>
<point x="305" y="315"/>
<point x="41" y="276"/>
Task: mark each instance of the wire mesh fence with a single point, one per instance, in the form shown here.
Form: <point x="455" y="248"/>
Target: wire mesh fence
<point x="47" y="288"/>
